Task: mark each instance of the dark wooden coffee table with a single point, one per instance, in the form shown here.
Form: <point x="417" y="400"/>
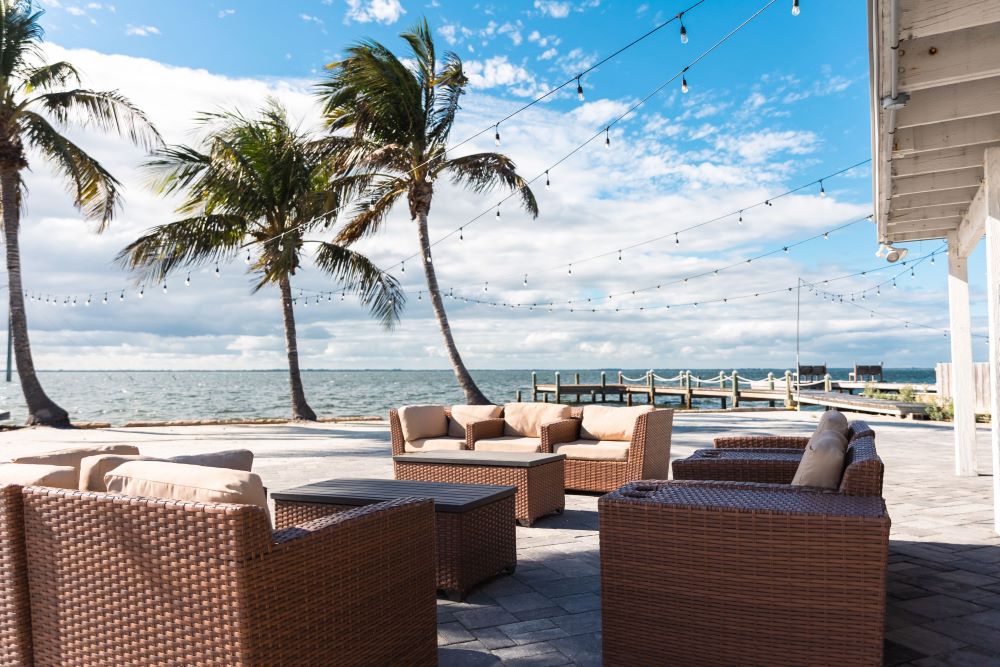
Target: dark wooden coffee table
<point x="475" y="522"/>
<point x="539" y="478"/>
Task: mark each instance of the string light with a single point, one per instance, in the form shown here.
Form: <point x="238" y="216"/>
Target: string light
<point x="142" y="291"/>
<point x="121" y="297"/>
<point x="402" y="267"/>
<point x="525" y="279"/>
<point x="677" y="239"/>
<point x="570" y="269"/>
<point x="248" y="260"/>
<point x="486" y="287"/>
<point x="498" y="210"/>
<point x="619" y="255"/>
<point x="684" y="32"/>
<point x="217" y="274"/>
<point x="548" y="184"/>
<point x="684" y="82"/>
<point x="822" y="190"/>
<point x="607" y="137"/>
<point x="187" y="281"/>
<point x="496" y="136"/>
<point x="795" y="7"/>
<point x="164" y="287"/>
<point x="740" y="221"/>
<point x="826" y="236"/>
<point x="105" y="299"/>
<point x="461" y="236"/>
<point x="579" y="89"/>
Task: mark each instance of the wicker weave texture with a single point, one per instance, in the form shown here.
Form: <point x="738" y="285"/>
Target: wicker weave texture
<point x="15" y="611"/>
<point x="396" y="432"/>
<point x="771" y="466"/>
<point x="539" y="488"/>
<point x="138" y="581"/>
<point x="761" y="442"/>
<point x="729" y="574"/>
<point x="648" y="454"/>
<point x="471" y="546"/>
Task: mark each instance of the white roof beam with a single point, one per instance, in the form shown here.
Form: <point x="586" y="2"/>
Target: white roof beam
<point x="953" y="134"/>
<point x="929" y="213"/>
<point x="948" y="159"/>
<point x="952" y="57"/>
<point x="964" y="178"/>
<point x="973" y="224"/>
<point x="957" y="101"/>
<point x="960" y="196"/>
<point x="933" y="17"/>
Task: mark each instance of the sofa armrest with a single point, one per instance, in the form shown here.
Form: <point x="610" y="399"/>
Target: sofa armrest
<point x="555" y="433"/>
<point x="482" y="430"/>
<point x="649" y="451"/>
<point x="396" y="433"/>
<point x="760" y="442"/>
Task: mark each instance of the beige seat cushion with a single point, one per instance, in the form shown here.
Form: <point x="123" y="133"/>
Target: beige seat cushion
<point x="601" y="422"/>
<point x="182" y="481"/>
<point x="822" y="462"/>
<point x="509" y="444"/>
<point x="423" y="421"/>
<point x="435" y="445"/>
<point x="94" y="468"/>
<point x="461" y="415"/>
<point x="594" y="450"/>
<point x="72" y="457"/>
<point x="526" y="419"/>
<point x="38" y="474"/>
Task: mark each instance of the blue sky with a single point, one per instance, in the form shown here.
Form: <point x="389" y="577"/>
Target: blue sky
<point x="781" y="104"/>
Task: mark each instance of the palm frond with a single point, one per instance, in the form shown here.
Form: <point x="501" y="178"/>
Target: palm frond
<point x="109" y="110"/>
<point x="94" y="189"/>
<point x="371" y="212"/>
<point x="452" y="81"/>
<point x="193" y="241"/>
<point x="482" y="172"/>
<point x="20" y="38"/>
<point x="47" y="77"/>
<point x="379" y="291"/>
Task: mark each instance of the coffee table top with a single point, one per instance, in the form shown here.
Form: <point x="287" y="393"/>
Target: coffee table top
<point x="502" y="459"/>
<point x="447" y="497"/>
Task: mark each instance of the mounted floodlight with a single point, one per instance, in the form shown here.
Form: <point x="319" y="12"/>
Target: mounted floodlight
<point x="895" y="254"/>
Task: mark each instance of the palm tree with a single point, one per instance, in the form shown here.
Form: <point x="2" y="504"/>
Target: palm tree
<point x="257" y="186"/>
<point x="400" y="115"/>
<point x="36" y="98"/>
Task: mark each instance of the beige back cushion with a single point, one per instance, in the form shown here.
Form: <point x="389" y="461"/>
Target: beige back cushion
<point x="832" y="420"/>
<point x="526" y="419"/>
<point x="602" y="422"/>
<point x="72" y="457"/>
<point x="94" y="468"/>
<point x="822" y="462"/>
<point x="182" y="481"/>
<point x="423" y="421"/>
<point x="37" y="474"/>
<point x="461" y="415"/>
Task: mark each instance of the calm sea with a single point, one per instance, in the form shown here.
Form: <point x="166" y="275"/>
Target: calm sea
<point x="123" y="396"/>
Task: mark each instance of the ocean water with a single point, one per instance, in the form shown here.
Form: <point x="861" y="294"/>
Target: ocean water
<point x="123" y="396"/>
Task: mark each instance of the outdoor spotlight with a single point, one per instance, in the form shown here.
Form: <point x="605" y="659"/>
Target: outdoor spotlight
<point x="880" y="253"/>
<point x="895" y="254"/>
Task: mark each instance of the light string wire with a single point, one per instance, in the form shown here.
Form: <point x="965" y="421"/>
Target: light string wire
<point x="602" y="131"/>
<point x="525" y="107"/>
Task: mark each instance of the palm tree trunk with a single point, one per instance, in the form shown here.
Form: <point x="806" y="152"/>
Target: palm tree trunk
<point x="300" y="409"/>
<point x="473" y="396"/>
<point x="41" y="409"/>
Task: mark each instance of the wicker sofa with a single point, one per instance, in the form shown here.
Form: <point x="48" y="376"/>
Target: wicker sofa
<point x="15" y="610"/>
<point x="647" y="455"/>
<point x="129" y="580"/>
<point x="747" y="572"/>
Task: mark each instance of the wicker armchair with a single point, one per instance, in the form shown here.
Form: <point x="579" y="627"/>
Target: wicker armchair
<point x="729" y="573"/>
<point x="648" y="453"/>
<point x="140" y="581"/>
<point x="396" y="433"/>
<point x="15" y="611"/>
<point x="774" y="459"/>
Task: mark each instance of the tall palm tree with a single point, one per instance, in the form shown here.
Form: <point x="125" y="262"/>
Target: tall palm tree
<point x="400" y="114"/>
<point x="37" y="99"/>
<point x="257" y="186"/>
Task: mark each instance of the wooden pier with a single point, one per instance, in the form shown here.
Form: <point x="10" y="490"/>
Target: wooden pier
<point x="731" y="391"/>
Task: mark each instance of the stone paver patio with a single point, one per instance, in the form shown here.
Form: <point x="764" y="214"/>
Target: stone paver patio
<point x="944" y="572"/>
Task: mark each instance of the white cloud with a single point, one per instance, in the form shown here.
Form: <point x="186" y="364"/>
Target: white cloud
<point x="498" y="71"/>
<point x="553" y="8"/>
<point x="75" y="11"/>
<point x="223" y="13"/>
<point x="548" y="54"/>
<point x="760" y="146"/>
<point x="379" y="11"/>
<point x="141" y="30"/>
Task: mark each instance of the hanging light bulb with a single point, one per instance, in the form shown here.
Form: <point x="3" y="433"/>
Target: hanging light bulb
<point x="785" y="249"/>
<point x="187" y="281"/>
<point x="461" y="236"/>
<point x="795" y="8"/>
<point x="74" y="302"/>
<point x="498" y="211"/>
<point x="402" y="267"/>
<point x="607" y="137"/>
<point x="121" y="297"/>
<point x="826" y="236"/>
<point x="142" y="291"/>
<point x="548" y="183"/>
<point x="105" y="299"/>
<point x="684" y="32"/>
<point x="164" y="288"/>
<point x="684" y="82"/>
<point x="217" y="274"/>
<point x="619" y="255"/>
<point x="88" y="300"/>
<point x="570" y="269"/>
<point x="525" y="279"/>
<point x="579" y="89"/>
<point x="932" y="259"/>
<point x="496" y="136"/>
<point x="420" y="296"/>
<point x="486" y="287"/>
<point x="677" y="238"/>
<point x="247" y="260"/>
<point x="341" y="296"/>
<point x="822" y="190"/>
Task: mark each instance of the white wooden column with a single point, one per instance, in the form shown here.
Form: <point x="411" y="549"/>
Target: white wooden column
<point x="963" y="389"/>
<point x="991" y="190"/>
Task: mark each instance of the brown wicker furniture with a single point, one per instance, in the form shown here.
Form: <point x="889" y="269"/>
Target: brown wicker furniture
<point x="776" y="466"/>
<point x="399" y="441"/>
<point x="726" y="573"/>
<point x="15" y="610"/>
<point x="538" y="477"/>
<point x="648" y="454"/>
<point x="121" y="580"/>
<point x="474" y="524"/>
<point x="863" y="469"/>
